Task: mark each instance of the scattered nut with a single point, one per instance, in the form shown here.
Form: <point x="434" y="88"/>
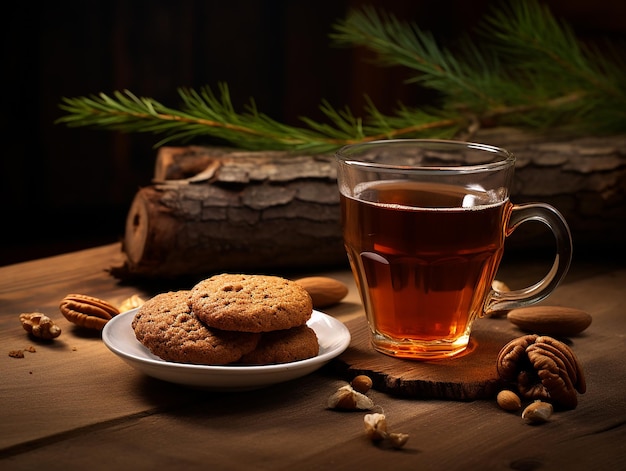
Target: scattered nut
<point x="131" y="303"/>
<point x="39" y="325"/>
<point x="542" y="368"/>
<point x="376" y="430"/>
<point x="508" y="400"/>
<point x="346" y="398"/>
<point x="538" y="412"/>
<point x="550" y="320"/>
<point x="398" y="440"/>
<point x="375" y="426"/>
<point x="361" y="383"/>
<point x="87" y="311"/>
<point x="324" y="291"/>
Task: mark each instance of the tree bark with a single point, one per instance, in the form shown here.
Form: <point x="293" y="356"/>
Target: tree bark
<point x="211" y="209"/>
<point x="583" y="177"/>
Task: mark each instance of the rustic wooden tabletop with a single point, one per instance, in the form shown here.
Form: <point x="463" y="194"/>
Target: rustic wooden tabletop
<point x="73" y="404"/>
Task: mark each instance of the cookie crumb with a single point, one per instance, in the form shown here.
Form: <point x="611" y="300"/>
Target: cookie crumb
<point x="16" y="353"/>
<point x="30" y="349"/>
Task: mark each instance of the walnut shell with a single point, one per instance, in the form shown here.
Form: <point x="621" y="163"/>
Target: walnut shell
<point x="538" y="412"/>
<point x="347" y="398"/>
<point x="543" y="368"/>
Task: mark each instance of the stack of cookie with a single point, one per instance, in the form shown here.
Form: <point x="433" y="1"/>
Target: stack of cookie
<point x="230" y="318"/>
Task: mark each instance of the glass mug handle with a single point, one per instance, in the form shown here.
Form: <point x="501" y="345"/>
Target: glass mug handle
<point x="506" y="300"/>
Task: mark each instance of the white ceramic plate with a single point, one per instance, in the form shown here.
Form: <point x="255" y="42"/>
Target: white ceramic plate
<point x="333" y="337"/>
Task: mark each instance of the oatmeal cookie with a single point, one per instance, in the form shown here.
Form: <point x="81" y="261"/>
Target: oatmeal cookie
<point x="166" y="325"/>
<point x="250" y="303"/>
<point x="283" y="346"/>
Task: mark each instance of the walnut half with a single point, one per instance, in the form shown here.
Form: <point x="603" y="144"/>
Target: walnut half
<point x="543" y="369"/>
<point x="39" y="325"/>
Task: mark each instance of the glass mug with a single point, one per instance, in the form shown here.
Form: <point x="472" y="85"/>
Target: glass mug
<point x="424" y="225"/>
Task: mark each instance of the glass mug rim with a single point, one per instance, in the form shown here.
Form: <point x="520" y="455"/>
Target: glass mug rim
<point x="348" y="155"/>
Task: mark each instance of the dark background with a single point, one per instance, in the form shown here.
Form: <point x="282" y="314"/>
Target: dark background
<point x="65" y="189"/>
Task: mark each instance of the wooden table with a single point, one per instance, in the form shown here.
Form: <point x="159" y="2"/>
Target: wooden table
<point x="72" y="404"/>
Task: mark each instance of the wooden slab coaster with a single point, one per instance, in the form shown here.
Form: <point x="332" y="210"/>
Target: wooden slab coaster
<point x="469" y="376"/>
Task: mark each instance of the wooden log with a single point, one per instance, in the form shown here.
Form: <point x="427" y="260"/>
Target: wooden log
<point x="239" y="211"/>
<point x="214" y="209"/>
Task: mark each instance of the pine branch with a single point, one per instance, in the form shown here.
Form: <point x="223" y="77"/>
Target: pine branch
<point x="499" y="79"/>
<point x="558" y="66"/>
<point x="204" y="114"/>
<point x="531" y="72"/>
<point x="401" y="43"/>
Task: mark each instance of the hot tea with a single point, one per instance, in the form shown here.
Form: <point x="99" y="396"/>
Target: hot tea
<point x="424" y="256"/>
<point x="424" y="225"/>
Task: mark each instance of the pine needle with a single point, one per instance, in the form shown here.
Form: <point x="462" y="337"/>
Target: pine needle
<point x="527" y="69"/>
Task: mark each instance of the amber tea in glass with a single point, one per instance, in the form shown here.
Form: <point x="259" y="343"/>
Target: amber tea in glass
<point x="424" y="226"/>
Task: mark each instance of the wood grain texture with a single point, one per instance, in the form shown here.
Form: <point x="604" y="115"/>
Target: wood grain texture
<point x="73" y="405"/>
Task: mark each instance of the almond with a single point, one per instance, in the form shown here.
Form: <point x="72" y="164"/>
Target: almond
<point x="508" y="400"/>
<point x="324" y="291"/>
<point x="550" y="320"/>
